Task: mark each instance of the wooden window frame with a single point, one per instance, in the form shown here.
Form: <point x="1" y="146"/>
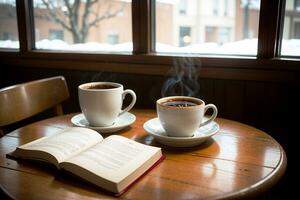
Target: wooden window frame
<point x="266" y="66"/>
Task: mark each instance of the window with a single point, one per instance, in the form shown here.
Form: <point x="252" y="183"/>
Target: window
<point x="83" y="25"/>
<point x="205" y="30"/>
<point x="215" y="9"/>
<point x="226" y="6"/>
<point x="8" y="25"/>
<point x="7" y="36"/>
<point x="290" y="45"/>
<point x="183" y="7"/>
<point x="113" y="38"/>
<point x="219" y="34"/>
<point x="184" y="36"/>
<point x="297" y="5"/>
<point x="56" y="34"/>
<point x="297" y="30"/>
<point x="224" y="35"/>
<point x="210" y="33"/>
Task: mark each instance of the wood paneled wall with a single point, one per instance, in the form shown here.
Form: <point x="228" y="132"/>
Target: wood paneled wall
<point x="265" y="105"/>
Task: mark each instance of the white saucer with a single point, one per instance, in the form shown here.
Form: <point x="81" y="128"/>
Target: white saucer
<point x="154" y="128"/>
<point x="122" y="121"/>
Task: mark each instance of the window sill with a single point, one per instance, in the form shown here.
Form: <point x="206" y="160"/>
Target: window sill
<point x="229" y="67"/>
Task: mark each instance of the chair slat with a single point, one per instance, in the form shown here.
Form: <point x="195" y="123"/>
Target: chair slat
<point x="22" y="101"/>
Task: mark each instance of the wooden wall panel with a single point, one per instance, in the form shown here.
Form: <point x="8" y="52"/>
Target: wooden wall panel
<point x="255" y="102"/>
<point x="235" y="100"/>
<point x="207" y="90"/>
<point x="220" y="97"/>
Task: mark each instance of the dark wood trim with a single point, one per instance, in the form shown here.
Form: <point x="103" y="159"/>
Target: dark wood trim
<point x="135" y="25"/>
<point x="154" y="59"/>
<point x="153" y="25"/>
<point x="141" y="25"/>
<point x="25" y="25"/>
<point x="209" y="70"/>
<point x="268" y="28"/>
<point x="8" y="51"/>
<point x="282" y="12"/>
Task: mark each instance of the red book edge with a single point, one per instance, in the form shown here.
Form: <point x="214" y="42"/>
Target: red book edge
<point x="141" y="176"/>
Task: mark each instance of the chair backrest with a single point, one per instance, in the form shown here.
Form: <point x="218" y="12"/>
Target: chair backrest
<point x="22" y="101"/>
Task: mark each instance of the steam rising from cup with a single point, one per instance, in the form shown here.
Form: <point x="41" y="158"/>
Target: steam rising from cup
<point x="184" y="78"/>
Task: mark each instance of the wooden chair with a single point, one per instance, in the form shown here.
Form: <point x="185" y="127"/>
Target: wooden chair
<point x="25" y="100"/>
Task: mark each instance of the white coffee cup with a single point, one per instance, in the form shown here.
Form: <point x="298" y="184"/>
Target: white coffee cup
<point x="181" y="116"/>
<point x="101" y="102"/>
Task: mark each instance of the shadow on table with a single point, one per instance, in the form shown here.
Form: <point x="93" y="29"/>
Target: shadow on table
<point x="149" y="140"/>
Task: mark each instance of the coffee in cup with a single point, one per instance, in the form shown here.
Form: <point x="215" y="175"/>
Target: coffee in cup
<point x="101" y="102"/>
<point x="181" y="116"/>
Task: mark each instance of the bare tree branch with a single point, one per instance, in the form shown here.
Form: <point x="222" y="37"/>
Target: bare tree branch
<point x="70" y="11"/>
<point x="106" y="15"/>
<point x="85" y="18"/>
<point x="79" y="21"/>
<point x="52" y="13"/>
<point x="75" y="19"/>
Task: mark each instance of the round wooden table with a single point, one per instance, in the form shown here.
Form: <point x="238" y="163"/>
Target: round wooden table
<point x="239" y="161"/>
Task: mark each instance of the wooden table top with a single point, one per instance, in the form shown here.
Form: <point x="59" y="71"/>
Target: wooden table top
<point x="239" y="161"/>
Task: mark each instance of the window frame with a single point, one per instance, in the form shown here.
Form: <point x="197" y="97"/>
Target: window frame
<point x="266" y="66"/>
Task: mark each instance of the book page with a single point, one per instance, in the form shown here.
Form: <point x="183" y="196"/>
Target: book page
<point x="114" y="158"/>
<point x="64" y="144"/>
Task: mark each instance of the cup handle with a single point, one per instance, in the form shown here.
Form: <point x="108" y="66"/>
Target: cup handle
<point x="131" y="92"/>
<point x="213" y="116"/>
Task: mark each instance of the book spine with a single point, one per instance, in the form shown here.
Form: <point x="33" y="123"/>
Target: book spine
<point x="140" y="177"/>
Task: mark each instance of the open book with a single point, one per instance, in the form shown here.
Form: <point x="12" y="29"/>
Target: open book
<point x="112" y="163"/>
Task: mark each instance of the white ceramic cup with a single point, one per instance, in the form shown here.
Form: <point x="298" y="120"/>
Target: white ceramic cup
<point x="180" y="120"/>
<point x="101" y="102"/>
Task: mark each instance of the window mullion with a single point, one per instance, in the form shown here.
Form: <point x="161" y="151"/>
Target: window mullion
<point x="141" y="26"/>
<point x="25" y="25"/>
<point x="268" y="28"/>
<point x="280" y="26"/>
